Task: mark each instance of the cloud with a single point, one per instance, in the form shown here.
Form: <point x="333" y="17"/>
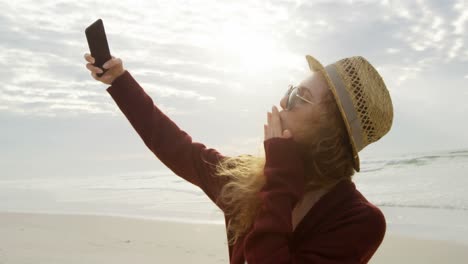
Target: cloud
<point x="31" y="87"/>
<point x="392" y="50"/>
<point x="421" y="34"/>
<point x="462" y="19"/>
<point x="165" y="91"/>
<point x="220" y="55"/>
<point x="42" y="52"/>
<point x="454" y="50"/>
<point x="175" y="76"/>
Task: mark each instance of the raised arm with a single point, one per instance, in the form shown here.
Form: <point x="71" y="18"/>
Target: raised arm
<point x="190" y="160"/>
<point x="268" y="241"/>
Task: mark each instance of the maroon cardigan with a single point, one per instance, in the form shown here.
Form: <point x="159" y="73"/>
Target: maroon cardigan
<point x="342" y="227"/>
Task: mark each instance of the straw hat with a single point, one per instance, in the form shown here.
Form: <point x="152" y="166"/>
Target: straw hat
<point x="362" y="97"/>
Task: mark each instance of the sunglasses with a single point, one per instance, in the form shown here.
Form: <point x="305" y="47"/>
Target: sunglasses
<point x="292" y="94"/>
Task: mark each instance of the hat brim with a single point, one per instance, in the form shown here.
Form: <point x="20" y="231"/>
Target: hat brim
<point x="316" y="66"/>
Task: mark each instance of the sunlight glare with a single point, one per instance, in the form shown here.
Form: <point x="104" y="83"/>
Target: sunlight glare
<point x="254" y="51"/>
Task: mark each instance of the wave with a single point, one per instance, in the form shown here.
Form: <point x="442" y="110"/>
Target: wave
<point x="156" y="189"/>
<point x="423" y="206"/>
<point x="419" y="160"/>
<point x="458" y="152"/>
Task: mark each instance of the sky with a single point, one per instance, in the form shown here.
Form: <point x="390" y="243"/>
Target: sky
<point x="216" y="68"/>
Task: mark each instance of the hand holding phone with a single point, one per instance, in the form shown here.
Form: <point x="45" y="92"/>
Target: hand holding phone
<point x="104" y="67"/>
<point x="97" y="42"/>
<point x="114" y="68"/>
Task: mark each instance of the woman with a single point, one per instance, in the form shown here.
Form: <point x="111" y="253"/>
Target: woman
<point x="298" y="204"/>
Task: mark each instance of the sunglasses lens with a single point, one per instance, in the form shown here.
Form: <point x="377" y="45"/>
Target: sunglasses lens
<point x="292" y="98"/>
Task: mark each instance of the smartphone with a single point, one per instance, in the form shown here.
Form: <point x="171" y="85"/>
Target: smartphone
<point x="97" y="42"/>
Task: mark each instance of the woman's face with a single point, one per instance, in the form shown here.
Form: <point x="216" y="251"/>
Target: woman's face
<point x="303" y="119"/>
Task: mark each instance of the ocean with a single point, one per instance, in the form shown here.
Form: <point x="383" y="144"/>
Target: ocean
<point x="422" y="195"/>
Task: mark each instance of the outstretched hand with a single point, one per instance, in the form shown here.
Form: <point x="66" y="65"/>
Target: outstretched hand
<point x="273" y="127"/>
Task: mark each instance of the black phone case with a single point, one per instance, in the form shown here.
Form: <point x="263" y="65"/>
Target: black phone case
<point x="97" y="42"/>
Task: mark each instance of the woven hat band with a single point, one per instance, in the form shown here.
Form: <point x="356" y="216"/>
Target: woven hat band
<point x="347" y="104"/>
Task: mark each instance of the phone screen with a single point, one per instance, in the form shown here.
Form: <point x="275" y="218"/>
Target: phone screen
<point x="97" y="42"/>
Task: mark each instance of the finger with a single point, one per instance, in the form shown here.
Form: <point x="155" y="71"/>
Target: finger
<point x="265" y="130"/>
<point x="275" y="123"/>
<point x="106" y="78"/>
<point x="89" y="58"/>
<point x="268" y="125"/>
<point x="92" y="68"/>
<point x="95" y="76"/>
<point x="111" y="63"/>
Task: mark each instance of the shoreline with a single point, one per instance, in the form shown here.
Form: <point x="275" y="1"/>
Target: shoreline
<point x="173" y="219"/>
<point x="73" y="238"/>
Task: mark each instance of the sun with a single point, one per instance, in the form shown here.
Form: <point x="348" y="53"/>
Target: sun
<point x="253" y="51"/>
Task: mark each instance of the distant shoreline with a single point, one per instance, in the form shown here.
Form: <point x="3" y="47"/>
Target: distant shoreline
<point x="168" y="219"/>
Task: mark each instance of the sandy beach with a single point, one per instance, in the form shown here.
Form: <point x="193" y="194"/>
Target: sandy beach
<point x="44" y="238"/>
<point x="52" y="238"/>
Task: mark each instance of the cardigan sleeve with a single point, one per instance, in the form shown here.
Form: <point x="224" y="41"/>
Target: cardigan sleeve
<point x="351" y="238"/>
<point x="267" y="241"/>
<point x="174" y="147"/>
